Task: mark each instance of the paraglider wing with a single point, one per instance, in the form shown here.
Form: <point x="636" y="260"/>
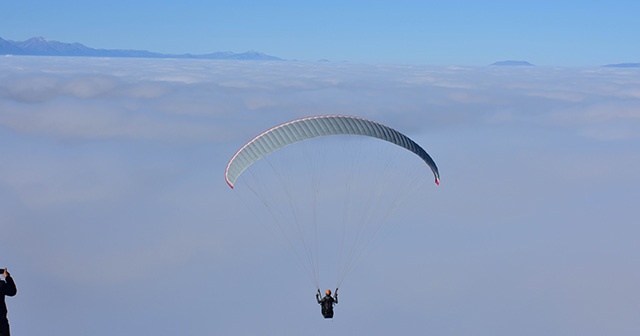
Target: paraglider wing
<point x="311" y="127"/>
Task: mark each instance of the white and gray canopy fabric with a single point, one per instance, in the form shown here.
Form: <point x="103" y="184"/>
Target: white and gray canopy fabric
<point x="317" y="126"/>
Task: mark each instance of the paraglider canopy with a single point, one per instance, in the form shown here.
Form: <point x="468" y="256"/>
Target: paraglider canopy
<point x="311" y="127"/>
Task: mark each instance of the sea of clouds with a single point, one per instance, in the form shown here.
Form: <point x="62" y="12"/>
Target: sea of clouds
<point x="114" y="209"/>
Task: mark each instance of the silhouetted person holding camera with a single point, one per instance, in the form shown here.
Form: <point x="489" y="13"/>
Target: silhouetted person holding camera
<point x="7" y="288"/>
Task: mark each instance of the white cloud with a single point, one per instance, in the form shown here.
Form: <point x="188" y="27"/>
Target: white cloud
<point x="153" y="99"/>
<point x="112" y="173"/>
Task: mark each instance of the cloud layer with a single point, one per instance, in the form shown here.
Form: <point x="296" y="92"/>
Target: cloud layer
<point x="188" y="100"/>
<point x="114" y="202"/>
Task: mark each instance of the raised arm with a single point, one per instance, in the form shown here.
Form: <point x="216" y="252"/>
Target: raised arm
<point x="9" y="288"/>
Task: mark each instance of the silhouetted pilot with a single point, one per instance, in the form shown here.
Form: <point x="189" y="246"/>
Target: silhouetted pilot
<point x="327" y="302"/>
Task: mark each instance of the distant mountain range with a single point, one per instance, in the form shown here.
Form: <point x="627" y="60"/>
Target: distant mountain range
<point x="512" y="63"/>
<point x="39" y="46"/>
<point x="525" y="63"/>
<point x="623" y="65"/>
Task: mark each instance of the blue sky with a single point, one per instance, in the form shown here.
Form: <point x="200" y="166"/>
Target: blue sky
<point x="559" y="33"/>
<point x="116" y="218"/>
